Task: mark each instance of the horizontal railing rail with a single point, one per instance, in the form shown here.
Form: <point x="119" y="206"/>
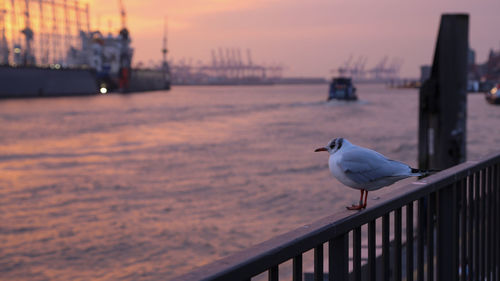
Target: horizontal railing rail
<point x="456" y="228"/>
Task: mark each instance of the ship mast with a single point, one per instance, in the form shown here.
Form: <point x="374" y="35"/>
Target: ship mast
<point x="4" y="48"/>
<point x="28" y="34"/>
<point x="123" y="14"/>
<point x="125" y="52"/>
<point x="165" y="67"/>
<point x="164" y="49"/>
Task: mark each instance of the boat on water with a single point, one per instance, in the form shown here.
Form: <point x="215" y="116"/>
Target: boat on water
<point x="341" y="88"/>
<point x="493" y="96"/>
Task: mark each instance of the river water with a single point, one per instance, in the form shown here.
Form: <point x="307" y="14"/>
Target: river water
<point x="148" y="186"/>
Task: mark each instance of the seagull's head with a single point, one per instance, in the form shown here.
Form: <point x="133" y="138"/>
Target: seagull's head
<point x="333" y="146"/>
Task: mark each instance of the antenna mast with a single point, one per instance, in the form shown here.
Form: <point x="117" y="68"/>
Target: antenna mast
<point x="164" y="49"/>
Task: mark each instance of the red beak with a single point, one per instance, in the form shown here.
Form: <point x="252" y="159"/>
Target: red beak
<point x="320" y="149"/>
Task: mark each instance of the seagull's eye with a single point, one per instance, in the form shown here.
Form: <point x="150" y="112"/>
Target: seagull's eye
<point x="340" y="142"/>
<point x="333" y="144"/>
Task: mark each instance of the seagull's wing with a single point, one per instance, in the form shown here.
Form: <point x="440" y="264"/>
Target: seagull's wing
<point x="363" y="166"/>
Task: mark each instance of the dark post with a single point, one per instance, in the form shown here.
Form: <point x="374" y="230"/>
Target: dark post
<point x="443" y="98"/>
<point x="442" y="128"/>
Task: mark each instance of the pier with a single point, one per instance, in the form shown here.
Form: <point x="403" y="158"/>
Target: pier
<point x="452" y="229"/>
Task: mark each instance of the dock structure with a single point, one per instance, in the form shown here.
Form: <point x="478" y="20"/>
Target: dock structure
<point x="453" y="241"/>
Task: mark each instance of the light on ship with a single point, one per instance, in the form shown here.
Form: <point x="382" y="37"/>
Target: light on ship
<point x="103" y="90"/>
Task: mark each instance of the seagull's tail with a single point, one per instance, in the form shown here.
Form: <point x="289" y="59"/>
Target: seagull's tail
<point x="422" y="172"/>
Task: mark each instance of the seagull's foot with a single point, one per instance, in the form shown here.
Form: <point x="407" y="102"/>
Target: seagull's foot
<point x="356" y="207"/>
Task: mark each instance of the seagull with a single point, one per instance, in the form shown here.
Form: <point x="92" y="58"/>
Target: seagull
<point x="365" y="169"/>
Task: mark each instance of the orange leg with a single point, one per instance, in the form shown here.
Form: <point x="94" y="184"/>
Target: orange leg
<point x="366" y="198"/>
<point x="360" y="205"/>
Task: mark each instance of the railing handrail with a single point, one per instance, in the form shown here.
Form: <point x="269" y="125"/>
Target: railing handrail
<point x="259" y="258"/>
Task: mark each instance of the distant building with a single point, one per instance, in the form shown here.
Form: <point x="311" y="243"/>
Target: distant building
<point x="492" y="66"/>
<point x="479" y="76"/>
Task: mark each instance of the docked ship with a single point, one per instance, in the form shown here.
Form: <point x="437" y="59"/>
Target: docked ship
<point x="48" y="56"/>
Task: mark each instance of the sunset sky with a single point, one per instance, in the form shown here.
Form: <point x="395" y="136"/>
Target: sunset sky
<point x="308" y="37"/>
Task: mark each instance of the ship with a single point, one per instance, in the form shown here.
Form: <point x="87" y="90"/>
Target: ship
<point x="341" y="88"/>
<point x="48" y="56"/>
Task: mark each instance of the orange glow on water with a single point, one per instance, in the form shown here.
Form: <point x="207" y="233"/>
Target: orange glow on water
<point x="154" y="184"/>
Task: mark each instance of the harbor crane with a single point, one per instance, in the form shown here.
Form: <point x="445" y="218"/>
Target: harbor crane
<point x="383" y="70"/>
<point x="227" y="66"/>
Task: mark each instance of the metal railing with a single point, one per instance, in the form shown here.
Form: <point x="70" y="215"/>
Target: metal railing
<point x="452" y="222"/>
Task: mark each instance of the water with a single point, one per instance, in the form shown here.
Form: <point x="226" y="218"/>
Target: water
<point x="149" y="186"/>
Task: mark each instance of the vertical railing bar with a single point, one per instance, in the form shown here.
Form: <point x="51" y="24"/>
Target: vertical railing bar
<point x="409" y="242"/>
<point x="492" y="222"/>
<point x="339" y="258"/>
<point x="318" y="263"/>
<point x="489" y="223"/>
<point x="356" y="248"/>
<point x="495" y="221"/>
<point x="477" y="219"/>
<point x="470" y="228"/>
<point x="446" y="230"/>
<point x="273" y="273"/>
<point x="496" y="192"/>
<point x="397" y="245"/>
<point x="493" y="238"/>
<point x="455" y="232"/>
<point x="421" y="238"/>
<point x="371" y="251"/>
<point x="488" y="226"/>
<point x="463" y="229"/>
<point x="497" y="224"/>
<point x="331" y="260"/>
<point x="386" y="273"/>
<point x="297" y="268"/>
<point x="430" y="236"/>
<point x="483" y="203"/>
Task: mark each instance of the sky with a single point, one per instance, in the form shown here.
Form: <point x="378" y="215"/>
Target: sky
<point x="309" y="38"/>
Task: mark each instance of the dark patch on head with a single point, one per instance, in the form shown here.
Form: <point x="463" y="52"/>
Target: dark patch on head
<point x="341" y="140"/>
<point x="336" y="143"/>
<point x="332" y="143"/>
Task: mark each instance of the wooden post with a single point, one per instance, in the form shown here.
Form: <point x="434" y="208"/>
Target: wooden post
<point x="443" y="98"/>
